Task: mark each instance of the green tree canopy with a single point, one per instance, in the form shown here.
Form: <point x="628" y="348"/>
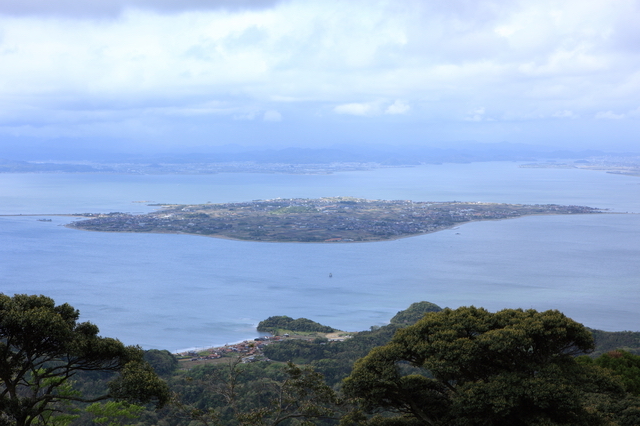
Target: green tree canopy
<point x="162" y="361"/>
<point x="413" y="313"/>
<point x="283" y="322"/>
<point x="623" y="364"/>
<point x="259" y="395"/>
<point x="471" y="367"/>
<point x="43" y="346"/>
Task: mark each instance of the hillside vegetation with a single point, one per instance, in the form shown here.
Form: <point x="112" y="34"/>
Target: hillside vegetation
<point x="276" y="324"/>
<point x="429" y="366"/>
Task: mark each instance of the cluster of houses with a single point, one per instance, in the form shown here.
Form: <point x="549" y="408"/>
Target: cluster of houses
<point x="249" y="350"/>
<point x="325" y="219"/>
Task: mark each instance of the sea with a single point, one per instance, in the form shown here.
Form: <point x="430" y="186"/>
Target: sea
<point x="179" y="292"/>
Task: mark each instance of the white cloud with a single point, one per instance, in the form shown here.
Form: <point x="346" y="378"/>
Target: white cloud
<point x="398" y="107"/>
<point x="437" y="60"/>
<point x="113" y="8"/>
<point x="272" y="115"/>
<point x="475" y="115"/>
<point x="323" y="51"/>
<point x="362" y="109"/>
<point x="609" y="115"/>
<point x="372" y="108"/>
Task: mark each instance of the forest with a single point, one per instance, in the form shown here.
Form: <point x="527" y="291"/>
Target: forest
<point x="428" y="366"/>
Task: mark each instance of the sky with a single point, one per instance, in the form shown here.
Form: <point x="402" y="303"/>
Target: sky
<point x="171" y="75"/>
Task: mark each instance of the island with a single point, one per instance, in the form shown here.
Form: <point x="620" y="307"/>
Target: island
<point x="330" y="219"/>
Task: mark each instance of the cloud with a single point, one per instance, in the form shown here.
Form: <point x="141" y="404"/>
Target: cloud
<point x="609" y="115"/>
<point x="427" y="61"/>
<point x="398" y="107"/>
<point x="372" y="108"/>
<point x="114" y="8"/>
<point x="475" y="115"/>
<point x="564" y="114"/>
<point x="362" y="109"/>
<point x="272" y="115"/>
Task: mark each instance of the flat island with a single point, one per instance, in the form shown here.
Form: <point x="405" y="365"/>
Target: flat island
<point x="334" y="219"/>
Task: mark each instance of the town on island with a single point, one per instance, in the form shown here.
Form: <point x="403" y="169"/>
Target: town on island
<point x="329" y="219"/>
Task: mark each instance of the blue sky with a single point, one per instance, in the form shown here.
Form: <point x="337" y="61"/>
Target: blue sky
<point x="158" y="75"/>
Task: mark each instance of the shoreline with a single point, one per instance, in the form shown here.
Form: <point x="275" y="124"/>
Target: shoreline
<point x="226" y="237"/>
<point x="394" y="238"/>
<point x="42" y="214"/>
<point x="262" y="339"/>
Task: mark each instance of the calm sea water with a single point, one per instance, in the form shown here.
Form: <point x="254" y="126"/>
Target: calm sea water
<point x="178" y="291"/>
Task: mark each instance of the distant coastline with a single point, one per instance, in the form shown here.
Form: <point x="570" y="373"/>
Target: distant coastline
<point x="319" y="161"/>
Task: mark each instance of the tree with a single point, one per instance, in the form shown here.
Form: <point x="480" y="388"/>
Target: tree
<point x="294" y="394"/>
<point x="162" y="361"/>
<point x="303" y="395"/>
<point x="283" y="322"/>
<point x="471" y="367"/>
<point x="43" y="346"/>
<point x="623" y="364"/>
<point x="114" y="413"/>
<point x="626" y="367"/>
<point x="413" y="313"/>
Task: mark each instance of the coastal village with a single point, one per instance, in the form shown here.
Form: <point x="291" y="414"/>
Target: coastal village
<point x="246" y="351"/>
<point x="330" y="219"/>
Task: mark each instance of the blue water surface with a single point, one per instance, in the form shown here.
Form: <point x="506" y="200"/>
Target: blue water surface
<point x="179" y="291"/>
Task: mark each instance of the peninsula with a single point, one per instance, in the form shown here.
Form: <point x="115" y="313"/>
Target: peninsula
<point x="334" y="219"/>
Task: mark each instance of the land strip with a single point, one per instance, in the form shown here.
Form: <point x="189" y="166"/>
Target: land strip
<point x="250" y="350"/>
<point x="621" y="165"/>
<point x="332" y="219"/>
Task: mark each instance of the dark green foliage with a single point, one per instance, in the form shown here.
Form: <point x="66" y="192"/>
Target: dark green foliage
<point x="625" y="367"/>
<point x="611" y="340"/>
<point x="216" y="393"/>
<point x="243" y="394"/>
<point x="257" y="394"/>
<point x="333" y="359"/>
<point x="622" y="364"/>
<point x="414" y="313"/>
<point x="298" y="351"/>
<point x="273" y="324"/>
<point x="43" y="347"/>
<point x="358" y="418"/>
<point x="162" y="361"/>
<point x="303" y="395"/>
<point x="512" y="367"/>
<point x="196" y="216"/>
<point x="113" y="413"/>
<point x="620" y="411"/>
